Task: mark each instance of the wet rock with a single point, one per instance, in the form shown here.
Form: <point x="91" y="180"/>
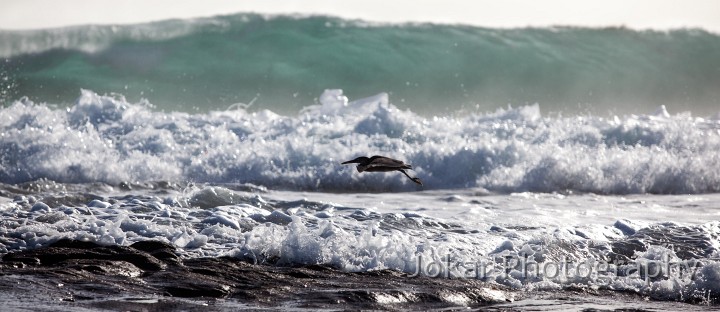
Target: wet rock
<point x="688" y="242"/>
<point x="64" y="250"/>
<point x="623" y="250"/>
<point x="104" y="267"/>
<point x="160" y="250"/>
<point x="75" y="269"/>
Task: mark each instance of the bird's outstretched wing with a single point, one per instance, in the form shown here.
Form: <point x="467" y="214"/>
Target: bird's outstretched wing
<point x="386" y="163"/>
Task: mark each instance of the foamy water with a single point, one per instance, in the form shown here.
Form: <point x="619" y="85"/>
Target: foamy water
<point x="527" y="241"/>
<point x="565" y="198"/>
<point x="106" y="139"/>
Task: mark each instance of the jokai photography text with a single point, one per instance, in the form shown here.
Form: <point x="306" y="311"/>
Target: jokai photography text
<point x="524" y="267"/>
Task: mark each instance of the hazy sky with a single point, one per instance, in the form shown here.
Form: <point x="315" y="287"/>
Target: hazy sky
<point x="639" y="14"/>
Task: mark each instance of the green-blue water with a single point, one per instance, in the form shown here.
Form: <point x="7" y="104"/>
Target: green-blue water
<point x="285" y="62"/>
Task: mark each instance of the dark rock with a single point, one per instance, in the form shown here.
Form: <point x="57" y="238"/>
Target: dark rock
<point x="688" y="242"/>
<point x="71" y="269"/>
<point x="150" y="246"/>
<point x="64" y="250"/>
<point x="626" y="249"/>
<point x="160" y="250"/>
<point x="69" y="243"/>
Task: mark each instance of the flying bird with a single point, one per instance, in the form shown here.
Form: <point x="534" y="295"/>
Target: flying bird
<point x="381" y="164"/>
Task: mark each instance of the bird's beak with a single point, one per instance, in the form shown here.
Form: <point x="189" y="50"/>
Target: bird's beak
<point x="347" y="162"/>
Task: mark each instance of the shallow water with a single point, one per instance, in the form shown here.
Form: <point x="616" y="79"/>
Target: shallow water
<point x="662" y="247"/>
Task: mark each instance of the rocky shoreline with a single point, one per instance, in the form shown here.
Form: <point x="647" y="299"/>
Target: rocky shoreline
<point x="83" y="274"/>
<point x="150" y="276"/>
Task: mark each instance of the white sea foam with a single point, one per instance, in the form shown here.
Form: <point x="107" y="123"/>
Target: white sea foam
<point x="457" y="226"/>
<point x="106" y="139"/>
<point x="526" y="241"/>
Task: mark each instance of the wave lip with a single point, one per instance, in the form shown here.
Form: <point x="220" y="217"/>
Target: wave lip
<point x="107" y="139"/>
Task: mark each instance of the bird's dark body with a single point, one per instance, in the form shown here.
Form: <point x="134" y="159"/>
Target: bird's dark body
<point x="381" y="164"/>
